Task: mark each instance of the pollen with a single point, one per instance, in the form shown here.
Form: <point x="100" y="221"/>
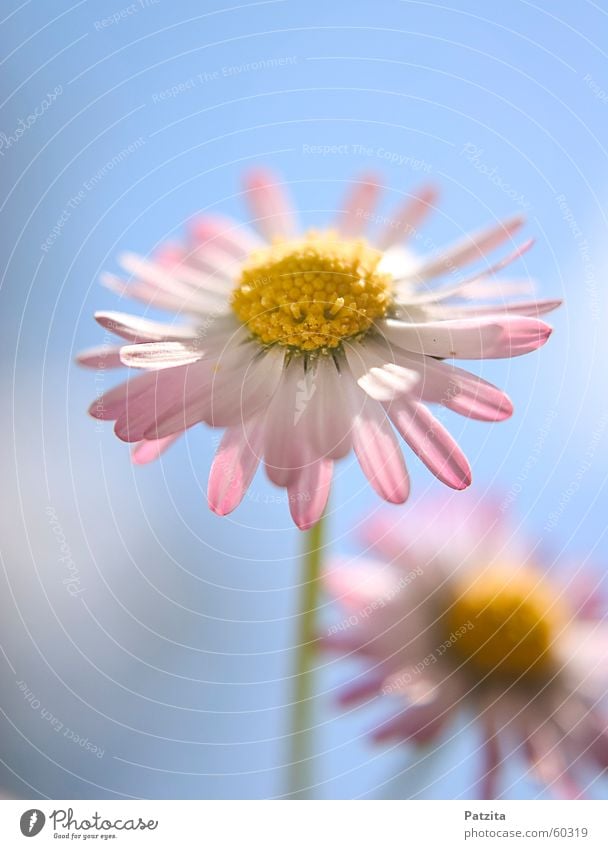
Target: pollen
<point x="505" y="625"/>
<point x="313" y="293"/>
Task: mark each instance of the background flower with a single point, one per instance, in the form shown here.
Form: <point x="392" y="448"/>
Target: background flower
<point x="461" y="616"/>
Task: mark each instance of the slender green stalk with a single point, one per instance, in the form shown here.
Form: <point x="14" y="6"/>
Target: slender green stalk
<point x="302" y="750"/>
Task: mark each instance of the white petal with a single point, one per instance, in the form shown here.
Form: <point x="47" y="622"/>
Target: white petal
<point x="187" y="285"/>
<point x="322" y="409"/>
<point x="368" y="360"/>
<point x="137" y="329"/>
<point x="247" y="391"/>
<point x="161" y="355"/>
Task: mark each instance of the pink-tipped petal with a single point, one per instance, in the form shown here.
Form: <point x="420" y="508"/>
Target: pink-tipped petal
<point x="544" y="747"/>
<point x="100" y="357"/>
<point x="379" y="454"/>
<point x="184" y="287"/>
<point x="408" y="218"/>
<point x="419" y="724"/>
<point x="491" y="337"/>
<point x="358" y="207"/>
<point x="368" y="686"/>
<point x="157" y="394"/>
<point x="113" y="403"/>
<point x="308" y="493"/>
<point x="234" y="467"/>
<point x="271" y="210"/>
<point x="225" y="233"/>
<point x="429" y="439"/>
<point x="479" y="285"/>
<point x="471" y="248"/>
<point x="458" y="390"/>
<point x="150" y="449"/>
<point x="169" y="255"/>
<point x="354" y="585"/>
<point x="136" y="329"/>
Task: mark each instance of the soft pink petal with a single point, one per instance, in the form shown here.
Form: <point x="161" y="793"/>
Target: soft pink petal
<point x="473" y="247"/>
<point x="599" y="740"/>
<point x="100" y="357"/>
<point x="379" y="454"/>
<point x="419" y="724"/>
<point x="150" y="449"/>
<point x="113" y="403"/>
<point x="248" y="390"/>
<point x="224" y="232"/>
<point x="136" y="329"/>
<point x="228" y="389"/>
<point x="220" y="268"/>
<point x="271" y="211"/>
<point x="355" y="584"/>
<point x="429" y="439"/>
<point x="151" y="296"/>
<point x="170" y="254"/>
<point x="481" y="284"/>
<point x="406" y="221"/>
<point x="545" y="747"/>
<point x="456" y="389"/>
<point x="183" y="286"/>
<point x="234" y="467"/>
<point x="366" y="687"/>
<point x="163" y="391"/>
<point x="358" y="206"/>
<point x="308" y="492"/>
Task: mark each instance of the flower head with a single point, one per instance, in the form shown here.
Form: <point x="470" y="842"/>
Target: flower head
<point x="307" y="347"/>
<point x="458" y="617"/>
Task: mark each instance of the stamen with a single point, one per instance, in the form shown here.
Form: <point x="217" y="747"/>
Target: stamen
<point x="312" y="294"/>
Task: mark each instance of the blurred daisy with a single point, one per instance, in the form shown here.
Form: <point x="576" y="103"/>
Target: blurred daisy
<point x="457" y="618"/>
<point x="305" y="347"/>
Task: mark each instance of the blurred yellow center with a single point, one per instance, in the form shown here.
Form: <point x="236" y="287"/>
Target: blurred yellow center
<point x="313" y="293"/>
<point x="505" y="625"/>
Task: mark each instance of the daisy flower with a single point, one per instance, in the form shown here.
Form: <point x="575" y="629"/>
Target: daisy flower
<point x="458" y="618"/>
<point x="305" y="347"/>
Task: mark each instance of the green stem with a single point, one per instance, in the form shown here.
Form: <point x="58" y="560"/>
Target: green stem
<point x="302" y="752"/>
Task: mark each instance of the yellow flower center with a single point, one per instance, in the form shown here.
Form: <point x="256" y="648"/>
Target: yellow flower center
<point x="313" y="293"/>
<point x="505" y="625"/>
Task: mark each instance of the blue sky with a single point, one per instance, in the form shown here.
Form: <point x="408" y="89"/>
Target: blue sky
<point x="504" y="106"/>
